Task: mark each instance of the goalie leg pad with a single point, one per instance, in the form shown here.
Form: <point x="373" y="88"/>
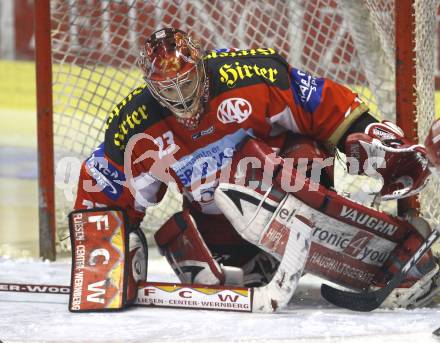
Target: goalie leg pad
<point x="277" y="293"/>
<point x="101" y="261"/>
<point x="180" y="242"/>
<point x="339" y="252"/>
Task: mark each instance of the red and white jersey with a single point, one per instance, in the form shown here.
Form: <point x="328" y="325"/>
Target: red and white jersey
<point x="251" y="93"/>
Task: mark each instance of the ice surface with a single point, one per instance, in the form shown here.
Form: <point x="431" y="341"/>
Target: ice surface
<point x="42" y="317"/>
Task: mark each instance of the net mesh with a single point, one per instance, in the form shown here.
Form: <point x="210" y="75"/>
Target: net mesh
<point x="96" y="42"/>
<point x="425" y="12"/>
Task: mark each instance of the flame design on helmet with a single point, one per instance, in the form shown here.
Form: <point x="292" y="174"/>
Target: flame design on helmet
<point x="170" y="65"/>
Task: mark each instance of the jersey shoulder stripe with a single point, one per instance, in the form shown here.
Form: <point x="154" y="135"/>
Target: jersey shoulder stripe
<point x="135" y="114"/>
<point x="241" y="68"/>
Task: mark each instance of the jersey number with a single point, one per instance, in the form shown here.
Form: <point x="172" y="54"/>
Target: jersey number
<point x="165" y="143"/>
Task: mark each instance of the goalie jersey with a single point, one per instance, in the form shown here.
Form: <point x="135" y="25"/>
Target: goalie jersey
<point x="251" y="93"/>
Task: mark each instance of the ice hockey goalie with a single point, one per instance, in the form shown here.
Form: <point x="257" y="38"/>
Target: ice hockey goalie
<point x="242" y="133"/>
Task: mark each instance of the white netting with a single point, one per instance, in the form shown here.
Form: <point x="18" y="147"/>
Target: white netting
<point x="426" y="12"/>
<point x="96" y="43"/>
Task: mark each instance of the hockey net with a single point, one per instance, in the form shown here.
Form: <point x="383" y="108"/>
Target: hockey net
<point x="95" y="44"/>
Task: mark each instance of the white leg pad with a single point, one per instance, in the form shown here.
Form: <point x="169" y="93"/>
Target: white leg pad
<point x="277" y="293"/>
<point x="278" y="230"/>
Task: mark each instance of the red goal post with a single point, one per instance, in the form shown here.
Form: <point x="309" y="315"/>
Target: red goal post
<point x="86" y="52"/>
<point x="46" y="185"/>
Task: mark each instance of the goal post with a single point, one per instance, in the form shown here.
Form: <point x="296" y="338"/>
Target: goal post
<point x="46" y="186"/>
<point x="406" y="109"/>
<point x="93" y="46"/>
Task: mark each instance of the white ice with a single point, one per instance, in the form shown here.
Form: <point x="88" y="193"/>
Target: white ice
<point x="38" y="318"/>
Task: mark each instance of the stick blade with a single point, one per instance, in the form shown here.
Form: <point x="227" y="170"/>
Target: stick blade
<point x="363" y="302"/>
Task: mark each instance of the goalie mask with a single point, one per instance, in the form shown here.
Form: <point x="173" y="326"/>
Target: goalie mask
<point x="174" y="71"/>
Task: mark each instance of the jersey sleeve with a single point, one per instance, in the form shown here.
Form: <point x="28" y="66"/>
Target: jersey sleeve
<point x="119" y="173"/>
<point x="103" y="183"/>
<point x="316" y="107"/>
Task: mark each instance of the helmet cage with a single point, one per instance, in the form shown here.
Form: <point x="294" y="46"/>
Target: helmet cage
<point x="187" y="103"/>
<point x="174" y="71"/>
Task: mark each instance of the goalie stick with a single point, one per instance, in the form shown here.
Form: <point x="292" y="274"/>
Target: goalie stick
<point x="163" y="294"/>
<point x="267" y="298"/>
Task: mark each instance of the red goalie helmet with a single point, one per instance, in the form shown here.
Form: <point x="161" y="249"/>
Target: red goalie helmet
<point x="174" y="71"/>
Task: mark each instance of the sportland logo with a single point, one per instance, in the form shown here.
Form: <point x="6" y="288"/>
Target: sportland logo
<point x="234" y="110"/>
